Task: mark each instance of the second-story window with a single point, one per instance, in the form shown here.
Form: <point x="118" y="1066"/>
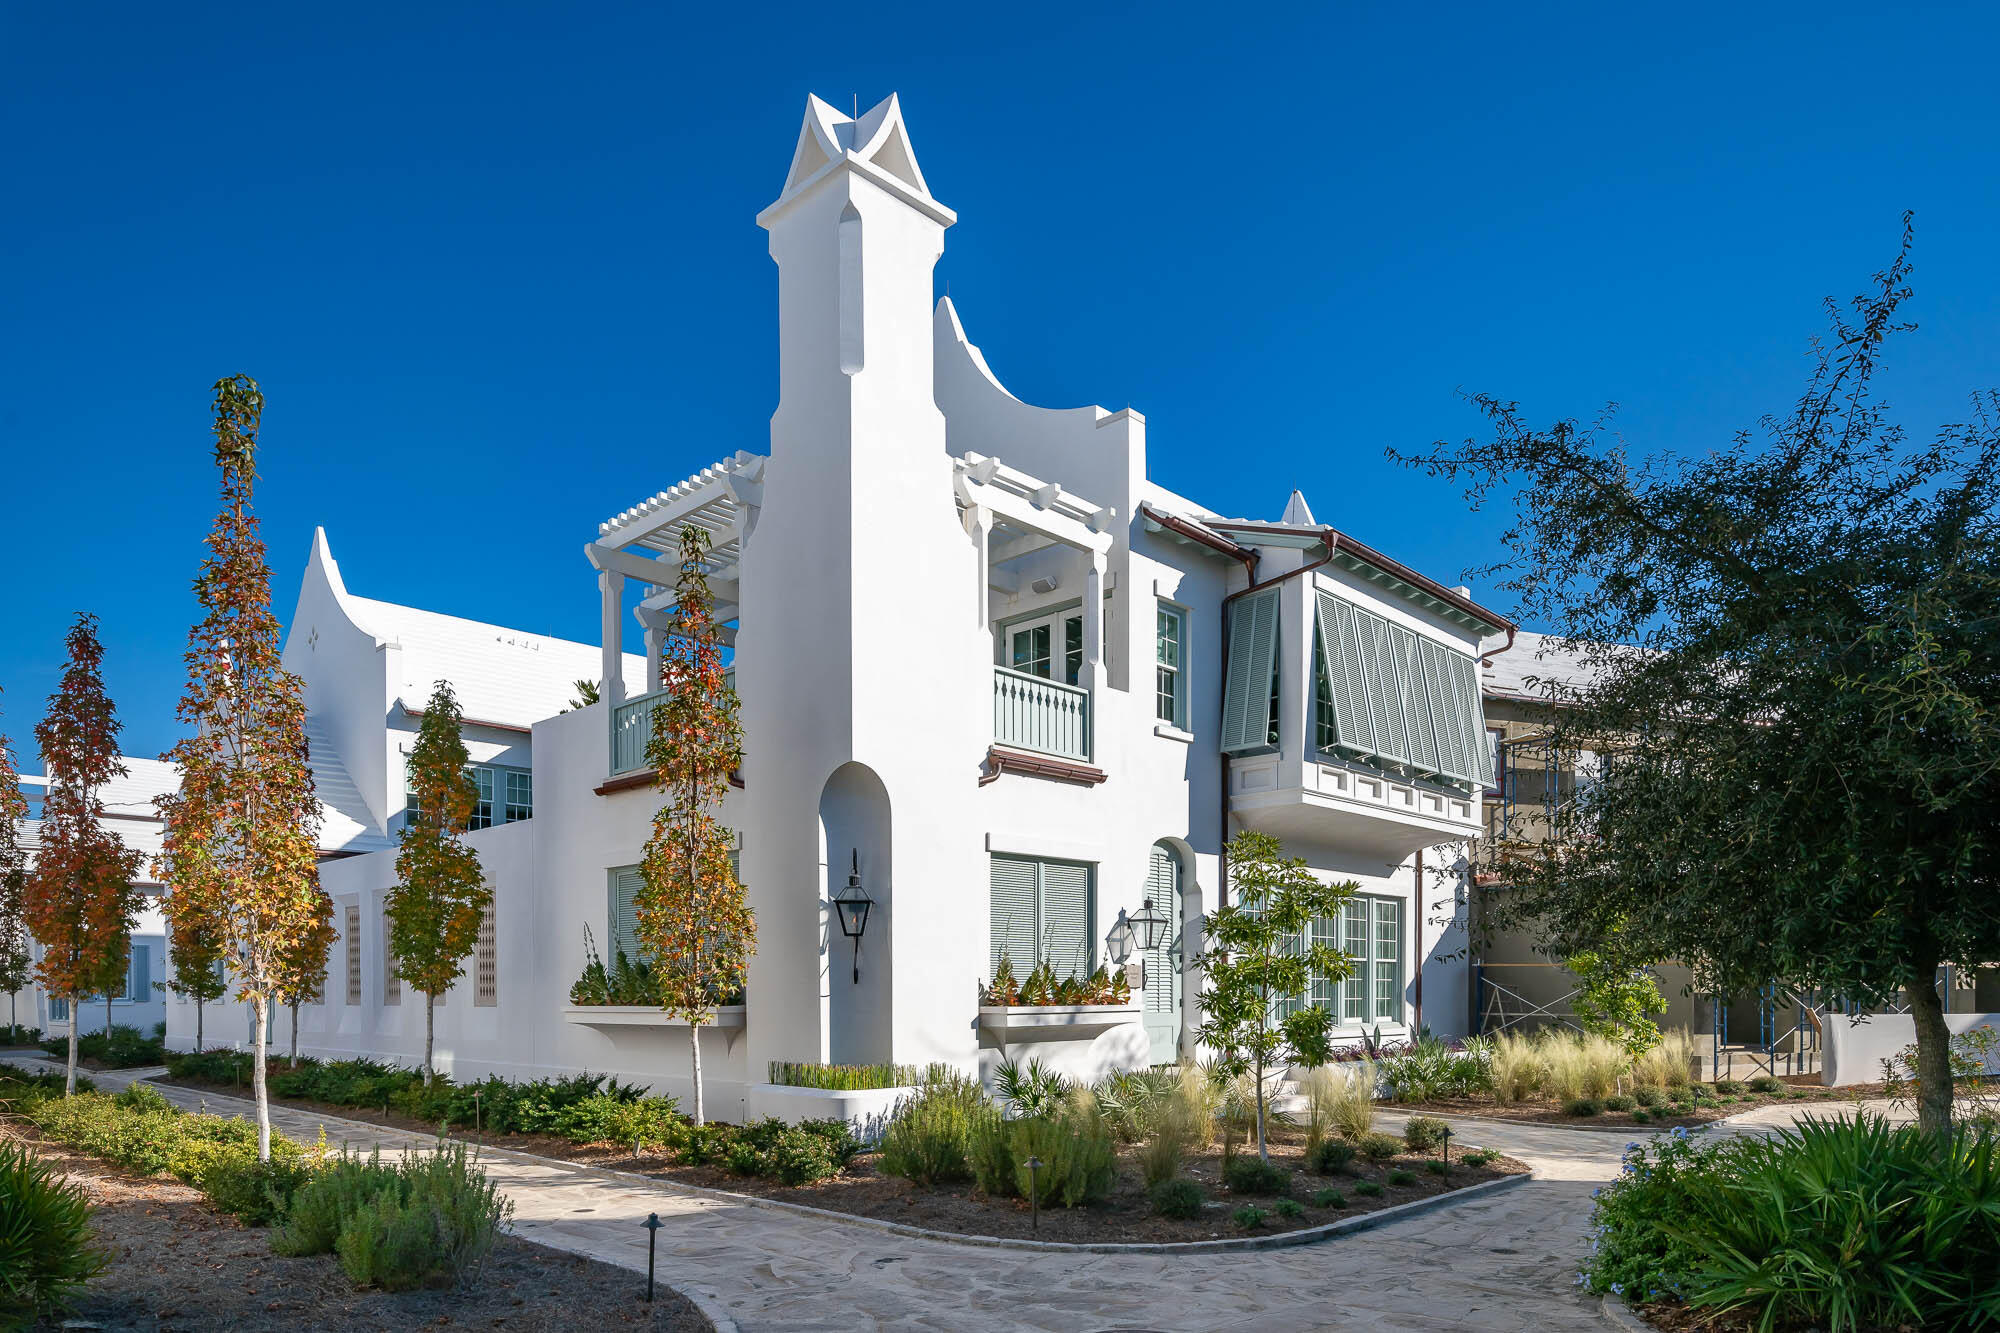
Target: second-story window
<point x="1170" y="668"/>
<point x="482" y="810"/>
<point x="520" y="795"/>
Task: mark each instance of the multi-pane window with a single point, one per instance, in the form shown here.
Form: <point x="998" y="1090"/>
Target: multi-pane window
<point x="1369" y="931"/>
<point x="1031" y="647"/>
<point x="1170" y="666"/>
<point x="1041" y="911"/>
<point x="482" y="809"/>
<point x="1031" y="650"/>
<point x="520" y="795"/>
<point x="354" y="953"/>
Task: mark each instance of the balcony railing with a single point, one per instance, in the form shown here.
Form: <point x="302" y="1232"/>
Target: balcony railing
<point x="632" y="727"/>
<point x="1047" y="716"/>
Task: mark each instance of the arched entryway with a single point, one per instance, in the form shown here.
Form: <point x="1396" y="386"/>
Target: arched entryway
<point x="854" y="831"/>
<point x="1166" y="874"/>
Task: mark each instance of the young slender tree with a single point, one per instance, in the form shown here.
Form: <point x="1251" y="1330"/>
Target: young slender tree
<point x="304" y="971"/>
<point x="17" y="961"/>
<point x="1260" y="951"/>
<point x="694" y="916"/>
<point x="242" y="831"/>
<point x="80" y="902"/>
<point x="195" y="944"/>
<point x="441" y="893"/>
<point x="1800" y="739"/>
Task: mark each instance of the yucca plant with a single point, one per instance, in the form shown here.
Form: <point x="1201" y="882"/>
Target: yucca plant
<point x="46" y="1251"/>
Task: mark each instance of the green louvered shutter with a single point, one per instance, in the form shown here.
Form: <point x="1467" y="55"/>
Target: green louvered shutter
<point x="1163" y="886"/>
<point x="140" y="988"/>
<point x="1417" y="701"/>
<point x="1253" y="658"/>
<point x="622" y="919"/>
<point x="1015" y="920"/>
<point x="1066" y="917"/>
<point x="1354" y="719"/>
<point x="1464" y="671"/>
<point x="1435" y="696"/>
<point x="1392" y="740"/>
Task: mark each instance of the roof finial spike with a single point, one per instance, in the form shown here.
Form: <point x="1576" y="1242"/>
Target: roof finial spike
<point x="1297" y="511"/>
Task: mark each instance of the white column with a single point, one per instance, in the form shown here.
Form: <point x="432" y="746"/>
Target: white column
<point x="656" y="640"/>
<point x="1093" y="624"/>
<point x="980" y="522"/>
<point x="611" y="588"/>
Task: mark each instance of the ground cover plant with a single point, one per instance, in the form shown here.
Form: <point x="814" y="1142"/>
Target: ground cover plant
<point x="124" y="1047"/>
<point x="1846" y="1224"/>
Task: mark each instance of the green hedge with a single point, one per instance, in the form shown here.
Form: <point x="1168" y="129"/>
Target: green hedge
<point x="124" y="1048"/>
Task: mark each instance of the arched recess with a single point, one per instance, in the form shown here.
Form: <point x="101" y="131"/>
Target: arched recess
<point x="854" y="827"/>
<point x="1168" y="1006"/>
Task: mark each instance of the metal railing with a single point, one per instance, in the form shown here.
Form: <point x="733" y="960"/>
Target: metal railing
<point x="632" y="727"/>
<point x="1047" y="716"/>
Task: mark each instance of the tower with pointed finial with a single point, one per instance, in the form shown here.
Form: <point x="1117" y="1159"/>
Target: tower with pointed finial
<point x="860" y="475"/>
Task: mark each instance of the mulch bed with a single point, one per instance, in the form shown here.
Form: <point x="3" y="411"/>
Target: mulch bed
<point x="178" y="1264"/>
<point x="1805" y="1089"/>
<point x="1126" y="1217"/>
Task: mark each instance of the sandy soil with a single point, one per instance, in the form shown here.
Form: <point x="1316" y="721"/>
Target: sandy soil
<point x="176" y="1264"/>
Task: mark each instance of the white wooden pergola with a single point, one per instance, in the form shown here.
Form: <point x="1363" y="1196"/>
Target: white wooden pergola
<point x="644" y="543"/>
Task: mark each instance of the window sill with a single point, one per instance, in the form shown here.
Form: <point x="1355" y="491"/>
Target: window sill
<point x="1168" y="731"/>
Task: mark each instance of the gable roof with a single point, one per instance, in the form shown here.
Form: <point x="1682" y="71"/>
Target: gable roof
<point x="1534" y="658"/>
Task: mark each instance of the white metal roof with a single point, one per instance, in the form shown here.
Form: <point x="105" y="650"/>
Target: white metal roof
<point x="1520" y="672"/>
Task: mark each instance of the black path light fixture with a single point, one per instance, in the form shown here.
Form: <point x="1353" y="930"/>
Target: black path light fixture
<point x="852" y="903"/>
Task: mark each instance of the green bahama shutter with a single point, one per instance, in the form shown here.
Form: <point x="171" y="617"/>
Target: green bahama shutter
<point x="1252" y="660"/>
<point x="1015" y="921"/>
<point x="1417" y="701"/>
<point x="1163" y="886"/>
<point x="1066" y="934"/>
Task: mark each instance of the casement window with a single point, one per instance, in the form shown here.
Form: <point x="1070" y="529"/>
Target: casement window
<point x="392" y="985"/>
<point x="1369" y="930"/>
<point x="505" y="795"/>
<point x="354" y="953"/>
<point x="1170" y="689"/>
<point x="482" y="809"/>
<point x="139" y="974"/>
<point x="1390" y="695"/>
<point x="1042" y="911"/>
<point x="520" y="795"/>
<point x="1250" y="693"/>
<point x="486" y="964"/>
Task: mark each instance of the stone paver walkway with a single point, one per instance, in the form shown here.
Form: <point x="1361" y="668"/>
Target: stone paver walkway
<point x="1503" y="1262"/>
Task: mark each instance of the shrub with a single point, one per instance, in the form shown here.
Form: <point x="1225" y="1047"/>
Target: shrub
<point x="838" y="1136"/>
<point x="20" y="1034"/>
<point x="1432" y="1070"/>
<point x="45" y="1243"/>
<point x="1479" y="1157"/>
<point x="704" y="1145"/>
<point x="1329" y="1199"/>
<point x="1648" y="1097"/>
<point x="1582" y="1107"/>
<point x="1401" y="1177"/>
<point x="930" y="1132"/>
<point x="843" y="1078"/>
<point x="1368" y="1189"/>
<point x="430" y="1218"/>
<point x="1380" y="1147"/>
<point x="1134" y="1104"/>
<point x="1249" y="1217"/>
<point x="1642" y="1116"/>
<point x="1254" y="1175"/>
<point x="1288" y="1208"/>
<point x="123" y="1048"/>
<point x="1079" y="1164"/>
<point x="1423" y="1133"/>
<point x="1766" y="1084"/>
<point x="1330" y="1157"/>
<point x="142" y="1097"/>
<point x="1619" y="1102"/>
<point x="1728" y="1087"/>
<point x="235" y="1181"/>
<point x="990" y="1152"/>
<point x="800" y="1157"/>
<point x="1177" y="1198"/>
<point x="1438" y="1168"/>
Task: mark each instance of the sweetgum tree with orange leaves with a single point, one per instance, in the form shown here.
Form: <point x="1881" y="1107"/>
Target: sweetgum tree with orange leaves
<point x="80" y="902"/>
<point x="694" y="917"/>
<point x="16" y="961"/>
<point x="239" y="851"/>
<point x="440" y="894"/>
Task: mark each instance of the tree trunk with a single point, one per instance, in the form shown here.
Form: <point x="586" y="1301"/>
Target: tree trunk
<point x="107" y="1019"/>
<point x="430" y="1025"/>
<point x="1263" y="1149"/>
<point x="197" y="1024"/>
<point x="295" y="1031"/>
<point x="69" y="1080"/>
<point x="1934" y="1090"/>
<point x="694" y="1044"/>
<point x="262" y="1019"/>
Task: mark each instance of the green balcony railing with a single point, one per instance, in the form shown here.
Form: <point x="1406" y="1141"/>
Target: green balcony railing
<point x="1047" y="716"/>
<point x="632" y="727"/>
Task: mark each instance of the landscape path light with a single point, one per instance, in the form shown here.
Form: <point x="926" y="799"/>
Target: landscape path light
<point x="852" y="904"/>
<point x="652" y="1225"/>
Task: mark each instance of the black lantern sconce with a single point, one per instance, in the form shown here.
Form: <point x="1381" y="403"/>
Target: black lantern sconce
<point x="1142" y="932"/>
<point x="852" y="903"/>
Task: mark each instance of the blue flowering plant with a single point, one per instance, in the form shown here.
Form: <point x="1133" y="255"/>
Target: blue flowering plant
<point x="1634" y="1253"/>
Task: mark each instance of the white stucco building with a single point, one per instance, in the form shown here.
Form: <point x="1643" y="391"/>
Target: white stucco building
<point x="979" y="652"/>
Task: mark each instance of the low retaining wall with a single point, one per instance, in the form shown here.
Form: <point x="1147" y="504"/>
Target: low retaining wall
<point x="1855" y="1048"/>
<point x="867" y="1110"/>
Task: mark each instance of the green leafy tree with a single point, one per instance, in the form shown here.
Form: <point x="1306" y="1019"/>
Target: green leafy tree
<point x="1616" y="1000"/>
<point x="80" y="902"/>
<point x="17" y="963"/>
<point x="1259" y="951"/>
<point x="195" y="944"/>
<point x="694" y="916"/>
<point x="441" y="893"/>
<point x="1801" y="733"/>
<point x="240" y="846"/>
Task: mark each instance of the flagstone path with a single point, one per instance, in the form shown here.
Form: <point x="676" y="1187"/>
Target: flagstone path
<point x="1505" y="1261"/>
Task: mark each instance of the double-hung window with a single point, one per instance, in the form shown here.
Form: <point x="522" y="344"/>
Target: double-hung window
<point x="1042" y="912"/>
<point x="1170" y="689"/>
<point x="482" y="809"/>
<point x="520" y="795"/>
<point x="1369" y="930"/>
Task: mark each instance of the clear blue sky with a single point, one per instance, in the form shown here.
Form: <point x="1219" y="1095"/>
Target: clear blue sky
<point x="496" y="268"/>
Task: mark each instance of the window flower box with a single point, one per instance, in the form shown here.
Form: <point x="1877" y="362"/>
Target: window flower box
<point x="1016" y="1024"/>
<point x="728" y="1019"/>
